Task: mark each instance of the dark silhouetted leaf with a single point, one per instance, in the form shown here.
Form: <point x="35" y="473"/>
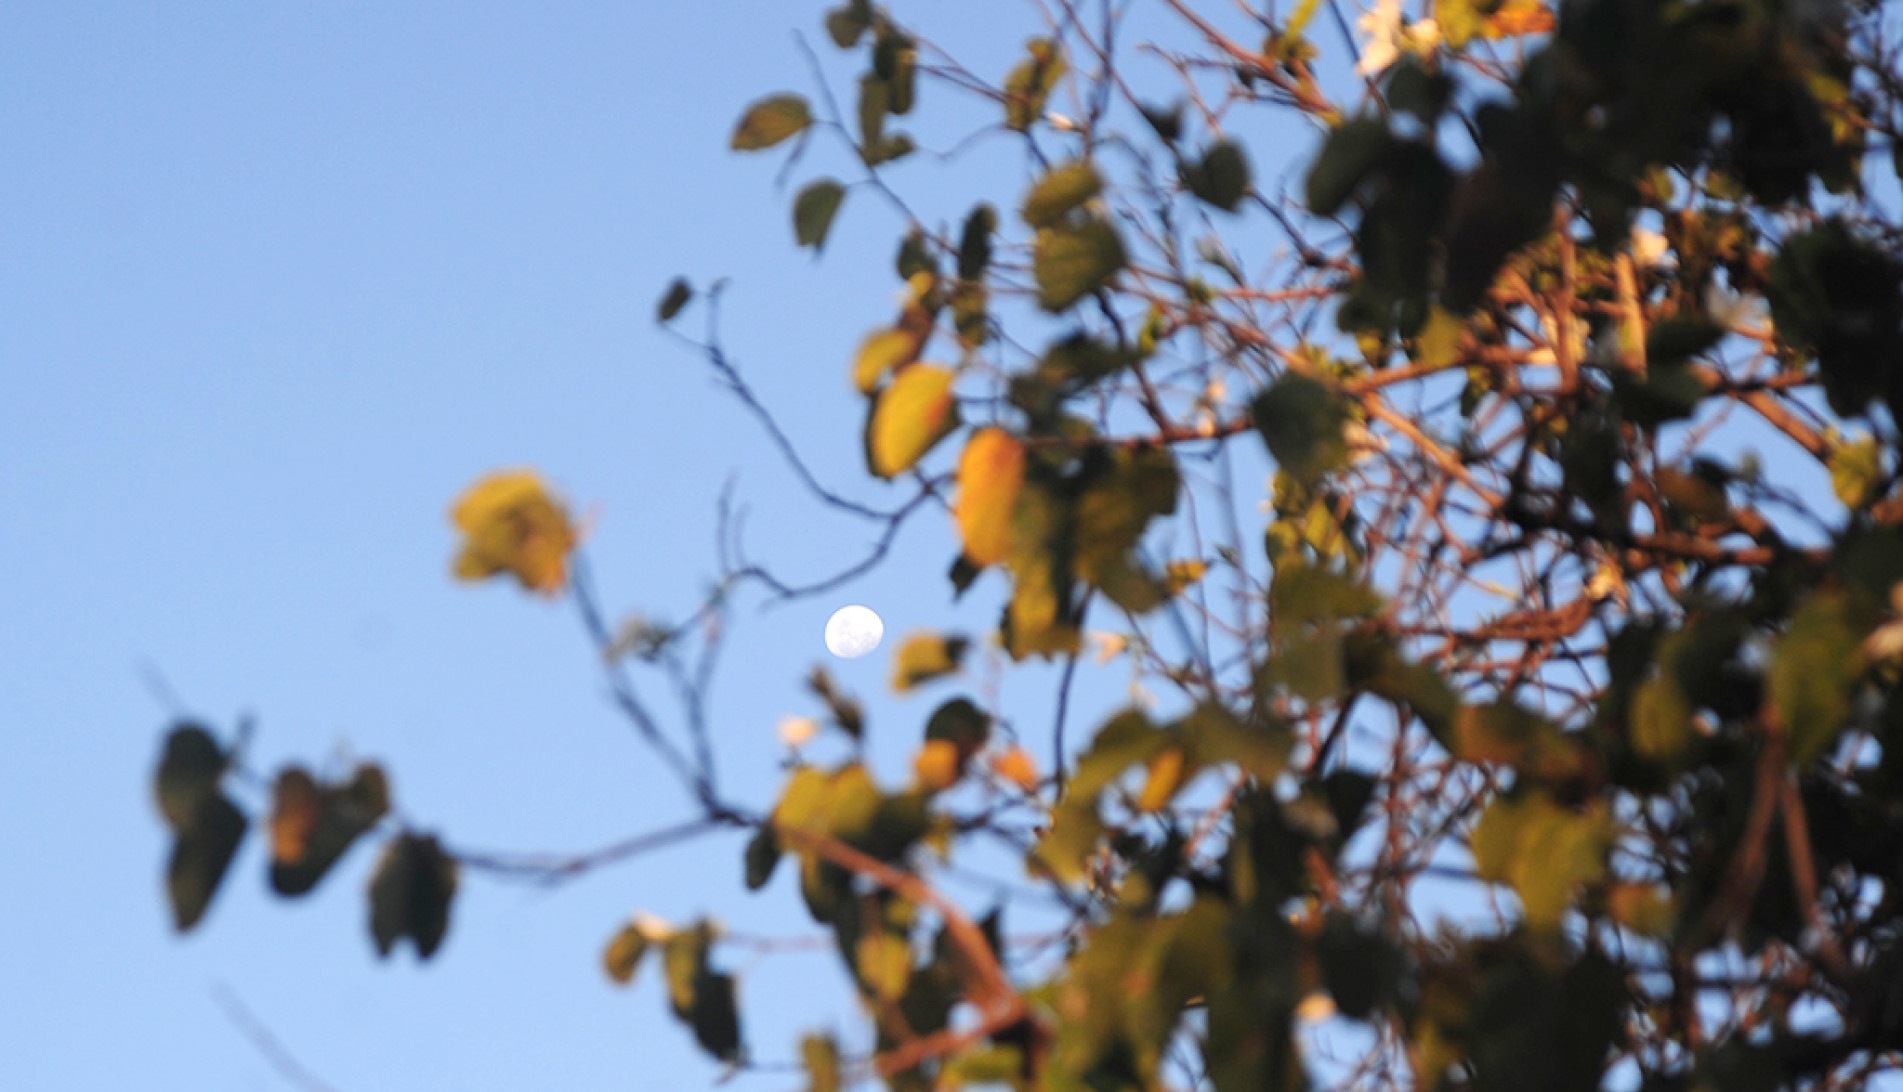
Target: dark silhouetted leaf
<point x="763" y="856"/>
<point x="1221" y="177"/>
<point x="312" y="824"/>
<point x="201" y="856"/>
<point x="678" y="293"/>
<point x="189" y="770"/>
<point x="410" y="894"/>
<point x="974" y="243"/>
<point x="1350" y="154"/>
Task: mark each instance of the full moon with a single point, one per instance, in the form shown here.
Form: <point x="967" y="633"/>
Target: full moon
<point x="853" y="631"/>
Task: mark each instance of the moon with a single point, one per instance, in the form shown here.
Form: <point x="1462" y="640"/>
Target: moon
<point x="853" y="631"/>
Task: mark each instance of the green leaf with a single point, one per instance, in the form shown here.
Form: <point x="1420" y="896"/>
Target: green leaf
<point x="1030" y="83"/>
<point x="1544" y="850"/>
<point x="1814" y="669"/>
<point x="622" y="957"/>
<point x="1352" y="151"/>
<point x="813" y="212"/>
<point x="201" y="856"/>
<point x="1302" y="420"/>
<point x="1856" y="470"/>
<point x="1460" y="21"/>
<point x="678" y="293"/>
<point x="1071" y="263"/>
<point x="770" y="121"/>
<point x="1302" y="594"/>
<point x="410" y="894"/>
<point x="1220" y="178"/>
<point x="1063" y="188"/>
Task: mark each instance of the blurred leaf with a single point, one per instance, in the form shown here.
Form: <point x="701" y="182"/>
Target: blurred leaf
<point x="990" y="476"/>
<point x="622" y="957"/>
<point x="201" y="855"/>
<point x="1677" y="340"/>
<point x="1641" y="907"/>
<point x="1300" y="594"/>
<point x="1353" y="150"/>
<point x="678" y="293"/>
<point x="1815" y="666"/>
<point x="963" y="725"/>
<point x="410" y="894"/>
<point x="848" y="715"/>
<point x="820" y="1055"/>
<point x="925" y="656"/>
<point x="1062" y="189"/>
<point x="847" y="22"/>
<point x="813" y="212"/>
<point x="1302" y="421"/>
<point x="188" y="774"/>
<point x="913" y="413"/>
<point x="313" y="825"/>
<point x="1030" y="83"/>
<point x="1221" y="177"/>
<point x="762" y="857"/>
<point x="1544" y="850"/>
<point x="1072" y="262"/>
<point x="1361" y="968"/>
<point x="1856" y="470"/>
<point x="511" y="524"/>
<point x="700" y="997"/>
<point x="974" y="242"/>
<point x="770" y="121"/>
<point x="886" y="351"/>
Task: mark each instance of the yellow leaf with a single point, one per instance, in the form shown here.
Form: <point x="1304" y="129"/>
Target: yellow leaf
<point x="936" y="765"/>
<point x="1517" y="17"/>
<point x="512" y="525"/>
<point x="925" y="656"/>
<point x="989" y="476"/>
<point x="1182" y="574"/>
<point x="1165" y="776"/>
<point x="882" y="353"/>
<point x="914" y="412"/>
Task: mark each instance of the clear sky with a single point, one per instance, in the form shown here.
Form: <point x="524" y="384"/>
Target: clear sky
<point x="278" y="282"/>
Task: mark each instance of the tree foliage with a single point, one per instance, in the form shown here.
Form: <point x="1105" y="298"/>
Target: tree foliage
<point x="1569" y="340"/>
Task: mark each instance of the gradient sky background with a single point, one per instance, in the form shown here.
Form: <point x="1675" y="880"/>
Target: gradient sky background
<point x="278" y="283"/>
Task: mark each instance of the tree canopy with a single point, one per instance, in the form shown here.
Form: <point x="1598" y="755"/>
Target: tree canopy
<point x="1476" y="425"/>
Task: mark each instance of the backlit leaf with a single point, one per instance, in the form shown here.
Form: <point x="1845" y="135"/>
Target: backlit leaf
<point x="914" y="412"/>
<point x="924" y="656"/>
<point x="511" y="524"/>
<point x="1856" y="469"/>
<point x="1814" y="667"/>
<point x="884" y="352"/>
<point x="190" y="767"/>
<point x="622" y="957"/>
<point x="820" y="1055"/>
<point x="770" y="121"/>
<point x="1543" y="850"/>
<point x="813" y="211"/>
<point x="1072" y="262"/>
<point x="990" y="476"/>
<point x="1031" y="82"/>
<point x="1064" y="188"/>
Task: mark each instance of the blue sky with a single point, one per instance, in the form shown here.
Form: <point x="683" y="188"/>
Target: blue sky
<point x="279" y="283"/>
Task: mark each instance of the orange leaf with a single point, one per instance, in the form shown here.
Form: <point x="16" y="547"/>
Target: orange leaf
<point x="990" y="474"/>
<point x="913" y="412"/>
